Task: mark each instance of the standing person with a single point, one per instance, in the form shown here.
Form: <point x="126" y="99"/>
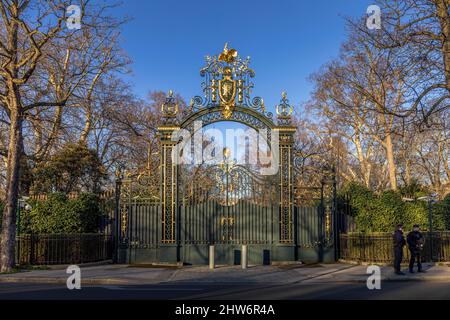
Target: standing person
<point x="415" y="241"/>
<point x="399" y="243"/>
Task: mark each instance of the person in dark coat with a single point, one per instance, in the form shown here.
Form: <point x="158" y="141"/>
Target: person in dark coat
<point x="415" y="241"/>
<point x="399" y="243"/>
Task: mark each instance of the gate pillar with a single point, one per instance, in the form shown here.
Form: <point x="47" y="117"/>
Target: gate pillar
<point x="286" y="131"/>
<point x="168" y="181"/>
<point x="286" y="136"/>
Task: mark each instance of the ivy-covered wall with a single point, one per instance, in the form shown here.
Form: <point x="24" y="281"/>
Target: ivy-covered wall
<point x="382" y="212"/>
<point x="58" y="214"/>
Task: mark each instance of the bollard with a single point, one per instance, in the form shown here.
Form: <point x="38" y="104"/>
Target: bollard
<point x="244" y="257"/>
<point x="211" y="257"/>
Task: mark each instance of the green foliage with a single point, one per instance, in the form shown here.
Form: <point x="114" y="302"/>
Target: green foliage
<point x="58" y="214"/>
<point x="416" y="212"/>
<point x="414" y="190"/>
<point x="442" y="209"/>
<point x="382" y="212"/>
<point x="388" y="210"/>
<point x="360" y="197"/>
<point x="87" y="207"/>
<point x="74" y="168"/>
<point x="446" y="211"/>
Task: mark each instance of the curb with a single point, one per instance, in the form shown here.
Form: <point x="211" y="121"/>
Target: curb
<point x="287" y="263"/>
<point x="81" y="265"/>
<point x="364" y="263"/>
<point x="385" y="264"/>
<point x="64" y="281"/>
<point x="431" y="278"/>
<point x="383" y="279"/>
<point x="94" y="281"/>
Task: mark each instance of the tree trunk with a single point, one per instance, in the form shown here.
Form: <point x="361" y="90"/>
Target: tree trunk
<point x="87" y="128"/>
<point x="442" y="8"/>
<point x="391" y="162"/>
<point x="408" y="177"/>
<point x="8" y="238"/>
<point x="363" y="163"/>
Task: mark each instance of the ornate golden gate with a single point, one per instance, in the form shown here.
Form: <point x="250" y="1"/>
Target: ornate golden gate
<point x="227" y="88"/>
<point x="227" y="204"/>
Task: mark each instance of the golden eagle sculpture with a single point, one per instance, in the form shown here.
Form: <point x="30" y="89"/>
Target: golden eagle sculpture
<point x="228" y="55"/>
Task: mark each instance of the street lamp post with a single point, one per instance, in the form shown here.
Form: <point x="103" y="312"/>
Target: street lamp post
<point x="28" y="211"/>
<point x="430" y="223"/>
<point x="430" y="200"/>
<point x="22" y="204"/>
<point x="430" y="215"/>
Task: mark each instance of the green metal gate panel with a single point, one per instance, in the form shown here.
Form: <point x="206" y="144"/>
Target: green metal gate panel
<point x="143" y="231"/>
<point x="227" y="228"/>
<point x="313" y="236"/>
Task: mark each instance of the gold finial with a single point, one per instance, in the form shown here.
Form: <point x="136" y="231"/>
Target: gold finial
<point x="228" y="55"/>
<point x="169" y="108"/>
<point x="284" y="109"/>
<point x="119" y="173"/>
<point x="226" y="153"/>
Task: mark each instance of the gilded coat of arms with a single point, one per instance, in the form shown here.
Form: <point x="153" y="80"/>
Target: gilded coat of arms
<point x="227" y="92"/>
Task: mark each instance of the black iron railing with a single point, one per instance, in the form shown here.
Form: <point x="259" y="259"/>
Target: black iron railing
<point x="378" y="247"/>
<point x="48" y="249"/>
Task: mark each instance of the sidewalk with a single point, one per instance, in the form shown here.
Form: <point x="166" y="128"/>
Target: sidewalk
<point x="132" y="275"/>
<point x="359" y="273"/>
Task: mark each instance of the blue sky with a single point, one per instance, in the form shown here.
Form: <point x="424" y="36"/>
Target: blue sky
<point x="287" y="41"/>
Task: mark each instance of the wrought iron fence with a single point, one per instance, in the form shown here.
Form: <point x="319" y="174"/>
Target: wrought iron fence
<point x="48" y="249"/>
<point x="378" y="247"/>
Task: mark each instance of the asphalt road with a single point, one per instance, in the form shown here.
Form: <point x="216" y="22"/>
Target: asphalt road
<point x="222" y="291"/>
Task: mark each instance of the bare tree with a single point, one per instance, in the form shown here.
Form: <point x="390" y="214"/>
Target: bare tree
<point x="30" y="32"/>
<point x="360" y="93"/>
<point x="418" y="32"/>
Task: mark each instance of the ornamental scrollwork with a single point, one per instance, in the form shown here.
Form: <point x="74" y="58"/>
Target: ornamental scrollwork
<point x="124" y="221"/>
<point x="284" y="111"/>
<point x="227" y="84"/>
<point x="140" y="184"/>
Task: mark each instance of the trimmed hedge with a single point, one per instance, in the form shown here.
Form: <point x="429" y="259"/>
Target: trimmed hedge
<point x="58" y="214"/>
<point x="443" y="208"/>
<point x="381" y="212"/>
